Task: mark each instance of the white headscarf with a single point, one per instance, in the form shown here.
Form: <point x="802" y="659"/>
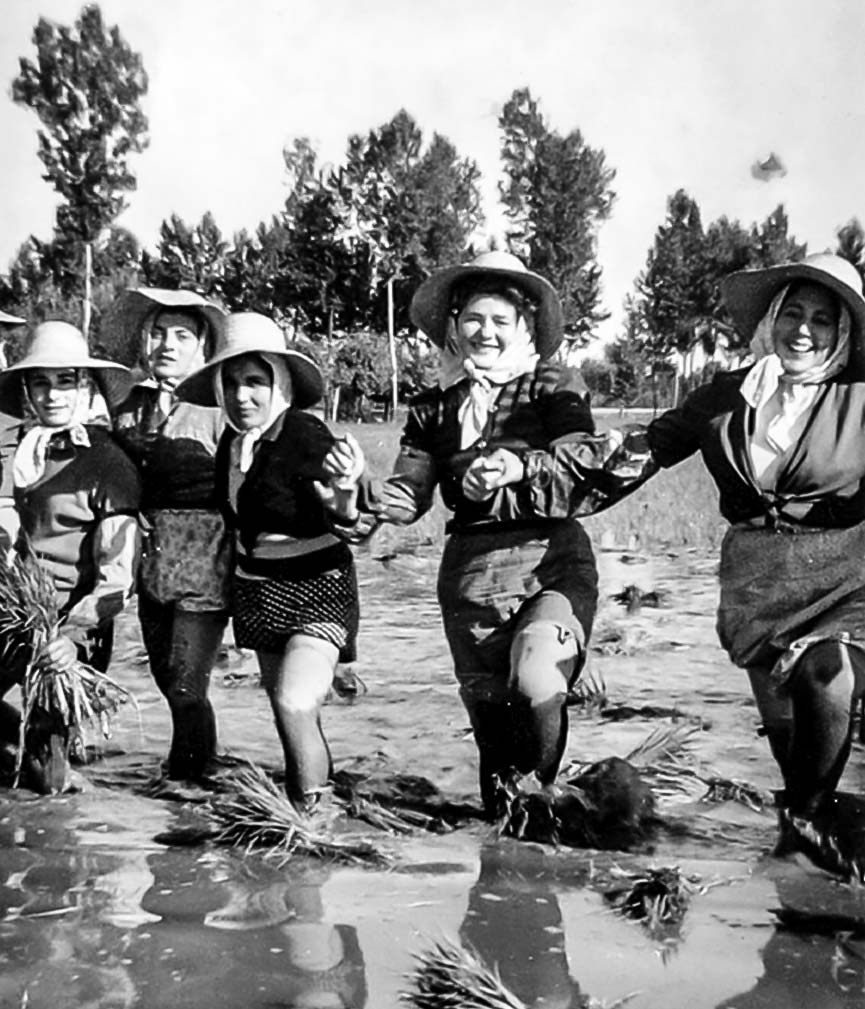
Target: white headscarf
<point x="518" y="358"/>
<point x="782" y="401"/>
<point x="28" y="464"/>
<point x="243" y="449"/>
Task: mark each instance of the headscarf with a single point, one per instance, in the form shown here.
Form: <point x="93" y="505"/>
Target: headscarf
<point x="28" y="464"/>
<point x="243" y="449"/>
<point x="781" y="401"/>
<point x="518" y="358"/>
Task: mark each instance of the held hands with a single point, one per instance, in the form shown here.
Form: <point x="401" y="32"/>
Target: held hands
<point x="490" y="472"/>
<point x="344" y="464"/>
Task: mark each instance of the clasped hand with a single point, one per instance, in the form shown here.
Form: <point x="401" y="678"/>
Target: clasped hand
<point x="488" y="473"/>
<point x="344" y="465"/>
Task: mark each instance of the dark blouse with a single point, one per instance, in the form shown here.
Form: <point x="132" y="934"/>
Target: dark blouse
<point x="821" y="482"/>
<point x="174" y="454"/>
<point x="278" y="494"/>
<point x="543" y="417"/>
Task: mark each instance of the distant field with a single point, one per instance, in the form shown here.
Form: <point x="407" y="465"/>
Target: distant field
<point x="677" y="509"/>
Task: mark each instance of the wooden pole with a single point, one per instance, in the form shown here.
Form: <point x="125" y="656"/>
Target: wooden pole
<point x="87" y="307"/>
<point x="391" y="346"/>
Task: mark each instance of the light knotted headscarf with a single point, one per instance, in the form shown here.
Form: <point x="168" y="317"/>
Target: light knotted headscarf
<point x="28" y="464"/>
<point x="518" y="358"/>
<point x="782" y="400"/>
<point x="243" y="449"/>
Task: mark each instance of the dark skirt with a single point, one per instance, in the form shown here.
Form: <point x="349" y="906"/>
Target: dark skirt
<point x="490" y="581"/>
<point x="268" y="611"/>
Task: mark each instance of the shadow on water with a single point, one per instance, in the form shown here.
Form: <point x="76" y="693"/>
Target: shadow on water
<point x="94" y="912"/>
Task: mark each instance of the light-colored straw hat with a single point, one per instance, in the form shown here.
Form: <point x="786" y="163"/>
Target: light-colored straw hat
<point x="749" y="293"/>
<point x="132" y="310"/>
<point x="251" y="333"/>
<point x="431" y="305"/>
<point x="60" y="345"/>
<point x="11" y="320"/>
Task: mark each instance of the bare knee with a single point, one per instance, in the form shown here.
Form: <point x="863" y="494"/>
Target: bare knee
<point x="823" y="665"/>
<point x="544" y="657"/>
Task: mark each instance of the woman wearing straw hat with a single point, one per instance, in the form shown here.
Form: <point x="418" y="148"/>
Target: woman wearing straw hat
<point x="518" y="581"/>
<point x="76" y="492"/>
<point x="783" y="441"/>
<point x="294" y="590"/>
<point x="183" y="583"/>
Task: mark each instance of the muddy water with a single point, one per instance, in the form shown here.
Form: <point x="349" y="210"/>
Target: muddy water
<point x="95" y="911"/>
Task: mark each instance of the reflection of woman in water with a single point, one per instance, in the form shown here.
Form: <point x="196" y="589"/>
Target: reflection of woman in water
<point x="249" y="935"/>
<point x="513" y="923"/>
<point x="517" y="583"/>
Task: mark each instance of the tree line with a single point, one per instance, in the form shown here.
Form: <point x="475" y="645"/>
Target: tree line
<point x="337" y="263"/>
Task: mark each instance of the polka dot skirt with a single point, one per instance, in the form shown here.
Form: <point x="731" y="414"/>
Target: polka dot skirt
<point x="268" y="611"/>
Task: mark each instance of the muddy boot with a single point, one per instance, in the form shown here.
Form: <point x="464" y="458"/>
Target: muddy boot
<point x="540" y="734"/>
<point x="45" y="764"/>
<point x="492" y="727"/>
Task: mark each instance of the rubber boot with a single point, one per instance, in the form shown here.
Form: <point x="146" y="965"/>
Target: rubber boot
<point x="492" y="726"/>
<point x="821" y="688"/>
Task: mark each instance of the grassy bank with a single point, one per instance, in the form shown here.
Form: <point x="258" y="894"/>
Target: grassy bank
<point x="676" y="510"/>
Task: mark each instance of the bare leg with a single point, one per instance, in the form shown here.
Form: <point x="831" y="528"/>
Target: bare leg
<point x="297" y="683"/>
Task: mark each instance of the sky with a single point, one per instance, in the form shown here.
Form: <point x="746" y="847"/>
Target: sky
<point x="678" y="93"/>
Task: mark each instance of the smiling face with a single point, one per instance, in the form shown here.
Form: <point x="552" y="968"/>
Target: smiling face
<point x="486" y="326"/>
<point x="54" y="394"/>
<point x="806" y="329"/>
<point x="173" y="345"/>
<point x="247" y="385"/>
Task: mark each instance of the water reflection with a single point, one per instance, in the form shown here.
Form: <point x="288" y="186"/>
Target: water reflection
<point x="56" y="949"/>
<point x="513" y="921"/>
<point x="242" y="933"/>
<point x="822" y="967"/>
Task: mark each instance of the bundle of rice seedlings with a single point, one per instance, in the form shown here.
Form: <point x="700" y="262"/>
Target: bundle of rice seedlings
<point x="451" y="977"/>
<point x="726" y="789"/>
<point x="76" y="698"/>
<point x="256" y="814"/>
<point x="656" y="897"/>
<point x="448" y="976"/>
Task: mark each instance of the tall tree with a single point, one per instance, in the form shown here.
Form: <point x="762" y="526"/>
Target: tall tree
<point x="772" y="241"/>
<point x="728" y="247"/>
<point x="851" y="244"/>
<point x="557" y="192"/>
<point x="85" y="86"/>
<point x="192" y="257"/>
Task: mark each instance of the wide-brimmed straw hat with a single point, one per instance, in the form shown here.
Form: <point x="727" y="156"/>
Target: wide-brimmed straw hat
<point x="11" y="320"/>
<point x="250" y="333"/>
<point x="60" y="345"/>
<point x="431" y="305"/>
<point x="749" y="293"/>
<point x="127" y="316"/>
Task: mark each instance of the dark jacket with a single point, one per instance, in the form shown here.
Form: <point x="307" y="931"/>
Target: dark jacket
<point x="822" y="480"/>
<point x="278" y="494"/>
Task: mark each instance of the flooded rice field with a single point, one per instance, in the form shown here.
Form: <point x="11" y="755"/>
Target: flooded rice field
<point x="99" y="909"/>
